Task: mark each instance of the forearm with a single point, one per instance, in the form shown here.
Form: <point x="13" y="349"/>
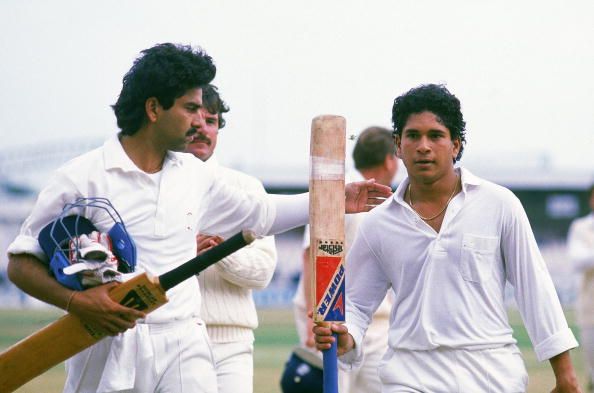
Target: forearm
<point x="32" y="276"/>
<point x="564" y="372"/>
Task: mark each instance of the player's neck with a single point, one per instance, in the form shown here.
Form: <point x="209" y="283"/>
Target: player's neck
<point x="144" y="154"/>
<point x="434" y="190"/>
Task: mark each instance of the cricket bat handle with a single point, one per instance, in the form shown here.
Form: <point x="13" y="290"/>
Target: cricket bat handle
<point x="330" y="359"/>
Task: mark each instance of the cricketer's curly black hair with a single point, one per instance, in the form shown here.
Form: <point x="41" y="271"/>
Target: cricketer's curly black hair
<point x="214" y="104"/>
<point x="436" y="99"/>
<point x="166" y="72"/>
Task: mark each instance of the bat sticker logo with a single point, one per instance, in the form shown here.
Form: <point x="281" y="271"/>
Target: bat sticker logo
<point x="331" y="305"/>
<point x="133" y="300"/>
<point x="331" y="248"/>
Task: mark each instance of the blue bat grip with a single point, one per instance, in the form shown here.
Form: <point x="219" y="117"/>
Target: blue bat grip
<point x="331" y="367"/>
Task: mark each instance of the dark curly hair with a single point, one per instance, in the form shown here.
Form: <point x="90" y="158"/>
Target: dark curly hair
<point x="372" y="147"/>
<point x="437" y="100"/>
<point x="166" y="72"/>
<point x="212" y="101"/>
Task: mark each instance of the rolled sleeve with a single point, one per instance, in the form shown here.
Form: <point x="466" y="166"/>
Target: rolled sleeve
<point x="562" y="341"/>
<point x="24" y="244"/>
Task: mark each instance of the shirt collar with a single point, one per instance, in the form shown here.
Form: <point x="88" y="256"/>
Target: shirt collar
<point x="115" y="156"/>
<point x="468" y="179"/>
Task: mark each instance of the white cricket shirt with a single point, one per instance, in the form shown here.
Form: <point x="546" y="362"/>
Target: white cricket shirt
<point x="162" y="218"/>
<point x="449" y="286"/>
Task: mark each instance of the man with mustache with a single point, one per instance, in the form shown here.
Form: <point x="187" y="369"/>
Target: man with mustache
<point x="165" y="197"/>
<point x="446" y="243"/>
<point x="228" y="307"/>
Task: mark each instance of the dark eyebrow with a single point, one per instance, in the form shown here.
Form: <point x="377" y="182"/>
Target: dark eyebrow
<point x="193" y="105"/>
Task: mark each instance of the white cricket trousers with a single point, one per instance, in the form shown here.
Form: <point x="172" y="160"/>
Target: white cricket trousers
<point x="234" y="366"/>
<point x="159" y="358"/>
<point x="366" y="377"/>
<point x="497" y="370"/>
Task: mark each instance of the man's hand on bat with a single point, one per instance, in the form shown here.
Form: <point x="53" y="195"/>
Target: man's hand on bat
<point x="95" y="307"/>
<point x="324" y="339"/>
<point x="362" y="196"/>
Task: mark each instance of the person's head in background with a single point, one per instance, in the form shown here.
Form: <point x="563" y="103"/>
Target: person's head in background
<point x="374" y="155"/>
<point x="205" y="141"/>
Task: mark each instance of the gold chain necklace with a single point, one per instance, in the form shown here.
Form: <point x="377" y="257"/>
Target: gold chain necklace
<point x="441" y="211"/>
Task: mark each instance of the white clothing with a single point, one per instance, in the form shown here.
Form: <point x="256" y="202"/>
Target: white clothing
<point x="234" y="363"/>
<point x="449" y="286"/>
<point x="165" y="359"/>
<point x="443" y="370"/>
<point x="162" y="219"/>
<point x="228" y="306"/>
<point x="587" y="343"/>
<point x="580" y="247"/>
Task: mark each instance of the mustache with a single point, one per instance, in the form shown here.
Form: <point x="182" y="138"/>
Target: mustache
<point x="198" y="136"/>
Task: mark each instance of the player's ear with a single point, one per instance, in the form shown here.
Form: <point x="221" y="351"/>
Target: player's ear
<point x="397" y="141"/>
<point x="457" y="143"/>
<point x="151" y="108"/>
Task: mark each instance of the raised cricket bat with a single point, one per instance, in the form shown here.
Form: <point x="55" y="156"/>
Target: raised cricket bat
<point x="326" y="217"/>
<point x="68" y="335"/>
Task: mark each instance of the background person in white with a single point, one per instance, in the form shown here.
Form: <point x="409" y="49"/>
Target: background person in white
<point x="374" y="156"/>
<point x="580" y="243"/>
<point x="228" y="307"/>
<point x="162" y="196"/>
<point x="446" y="242"/>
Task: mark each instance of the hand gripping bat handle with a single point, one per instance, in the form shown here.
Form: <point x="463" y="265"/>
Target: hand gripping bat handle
<point x="200" y="262"/>
<point x="330" y="357"/>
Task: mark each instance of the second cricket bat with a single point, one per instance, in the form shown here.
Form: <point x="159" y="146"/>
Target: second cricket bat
<point x="326" y="217"/>
<point x="67" y="336"/>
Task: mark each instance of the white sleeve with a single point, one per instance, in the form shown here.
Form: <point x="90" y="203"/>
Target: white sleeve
<point x="292" y="212"/>
<point x="366" y="287"/>
<point x="49" y="205"/>
<point x="580" y="248"/>
<point x="534" y="290"/>
<point x="230" y="209"/>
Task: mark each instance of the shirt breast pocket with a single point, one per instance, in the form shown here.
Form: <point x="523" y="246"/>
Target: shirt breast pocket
<point x="478" y="257"/>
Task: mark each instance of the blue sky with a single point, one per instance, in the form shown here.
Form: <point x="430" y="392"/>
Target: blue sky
<point x="522" y="69"/>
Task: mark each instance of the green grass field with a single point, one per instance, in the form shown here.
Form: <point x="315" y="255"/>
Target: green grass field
<point x="274" y="341"/>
